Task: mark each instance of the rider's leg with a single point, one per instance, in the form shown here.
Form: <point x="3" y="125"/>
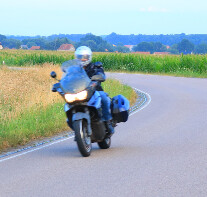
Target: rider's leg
<point x="106" y="111"/>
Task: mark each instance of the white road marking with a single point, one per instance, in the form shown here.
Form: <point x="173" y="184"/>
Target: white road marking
<point x="145" y="105"/>
<point x="58" y="141"/>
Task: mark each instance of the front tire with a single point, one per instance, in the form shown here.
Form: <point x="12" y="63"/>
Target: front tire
<point x="105" y="144"/>
<point x="83" y="140"/>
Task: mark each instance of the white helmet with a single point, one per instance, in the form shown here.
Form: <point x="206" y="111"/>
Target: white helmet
<point x="84" y="54"/>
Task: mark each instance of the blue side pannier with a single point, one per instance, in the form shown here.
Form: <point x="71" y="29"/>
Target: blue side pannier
<point x="120" y="108"/>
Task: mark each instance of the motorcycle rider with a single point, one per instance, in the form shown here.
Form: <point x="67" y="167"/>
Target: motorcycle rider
<point x="84" y="54"/>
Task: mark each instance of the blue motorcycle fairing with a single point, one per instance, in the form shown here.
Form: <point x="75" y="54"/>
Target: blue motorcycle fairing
<point x="95" y="100"/>
<point x="66" y="107"/>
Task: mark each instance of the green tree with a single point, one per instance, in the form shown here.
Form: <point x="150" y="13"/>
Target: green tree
<point x="35" y="42"/>
<point x="30" y="44"/>
<point x="159" y="47"/>
<point x="50" y="45"/>
<point x="201" y="48"/>
<point x="144" y="46"/>
<point x="185" y="46"/>
<point x="109" y="47"/>
<point x="2" y="37"/>
<point x="11" y="43"/>
<point x="97" y="39"/>
<point x="96" y="43"/>
<point x="59" y="41"/>
<point x="122" y="49"/>
<point x="91" y="44"/>
<point x="173" y="49"/>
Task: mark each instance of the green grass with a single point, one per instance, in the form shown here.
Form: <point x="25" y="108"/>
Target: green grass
<point x="114" y="87"/>
<point x="32" y="124"/>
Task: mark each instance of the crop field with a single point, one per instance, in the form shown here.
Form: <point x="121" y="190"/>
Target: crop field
<point x="177" y="65"/>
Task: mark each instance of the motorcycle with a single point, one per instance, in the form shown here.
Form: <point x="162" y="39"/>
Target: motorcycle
<point x="83" y="106"/>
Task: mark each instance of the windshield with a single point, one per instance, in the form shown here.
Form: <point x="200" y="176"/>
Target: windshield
<point x="74" y="79"/>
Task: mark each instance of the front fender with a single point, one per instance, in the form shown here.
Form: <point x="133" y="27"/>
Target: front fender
<point x="80" y="116"/>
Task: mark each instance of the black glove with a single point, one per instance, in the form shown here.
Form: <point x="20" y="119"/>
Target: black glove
<point x="55" y="87"/>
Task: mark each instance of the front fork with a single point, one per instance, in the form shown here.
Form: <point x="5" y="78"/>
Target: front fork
<point x="79" y="116"/>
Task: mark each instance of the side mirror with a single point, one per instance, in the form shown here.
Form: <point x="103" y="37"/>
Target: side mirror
<point x="100" y="78"/>
<point x="98" y="64"/>
<point x="53" y="74"/>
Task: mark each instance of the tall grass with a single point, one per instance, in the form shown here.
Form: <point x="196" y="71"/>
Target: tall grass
<point x="28" y="108"/>
<point x="26" y="101"/>
<point x="154" y="63"/>
<point x="30" y="58"/>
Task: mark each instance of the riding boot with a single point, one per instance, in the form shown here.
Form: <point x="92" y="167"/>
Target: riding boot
<point x="110" y="128"/>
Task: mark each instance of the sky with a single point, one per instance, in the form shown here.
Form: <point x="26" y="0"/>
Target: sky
<point x="102" y="17"/>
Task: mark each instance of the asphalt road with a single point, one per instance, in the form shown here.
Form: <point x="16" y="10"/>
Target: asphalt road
<point x="160" y="152"/>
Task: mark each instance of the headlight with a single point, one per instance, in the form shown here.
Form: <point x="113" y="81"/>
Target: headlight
<point x="74" y="97"/>
<point x="82" y="95"/>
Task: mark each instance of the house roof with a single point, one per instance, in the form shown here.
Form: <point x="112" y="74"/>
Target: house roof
<point x="35" y="48"/>
<point x="65" y="47"/>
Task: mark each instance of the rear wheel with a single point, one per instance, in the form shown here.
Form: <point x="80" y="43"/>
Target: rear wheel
<point x="106" y="143"/>
<point x="83" y="140"/>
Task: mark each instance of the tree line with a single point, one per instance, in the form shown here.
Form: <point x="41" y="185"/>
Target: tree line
<point x="168" y="39"/>
<point x="185" y="47"/>
<point x="100" y="44"/>
<point x="96" y="43"/>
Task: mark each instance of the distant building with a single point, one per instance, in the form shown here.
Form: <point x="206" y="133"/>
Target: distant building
<point x="35" y="48"/>
<point x="1" y="47"/>
<point x="24" y="47"/>
<point x="66" y="47"/>
<point x="129" y="47"/>
<point x="161" y="53"/>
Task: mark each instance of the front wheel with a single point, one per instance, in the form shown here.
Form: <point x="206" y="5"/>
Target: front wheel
<point x="83" y="140"/>
<point x="106" y="143"/>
